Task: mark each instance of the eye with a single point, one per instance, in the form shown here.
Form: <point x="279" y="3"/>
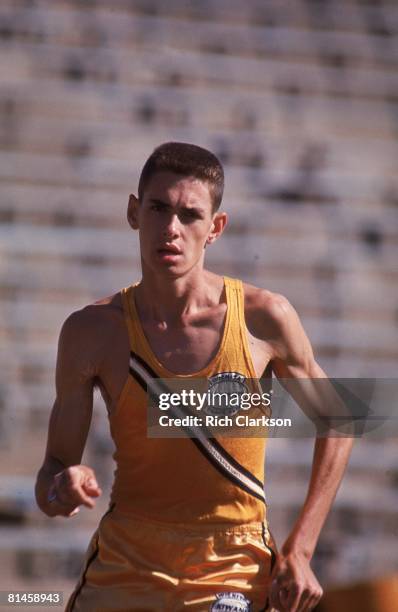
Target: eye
<point x="191" y="214"/>
<point x="158" y="207"/>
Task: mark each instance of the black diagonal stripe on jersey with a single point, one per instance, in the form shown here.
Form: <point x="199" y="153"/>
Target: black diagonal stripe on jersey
<point x="267" y="371"/>
<point x="234" y="462"/>
<point x="223" y="470"/>
<point x="229" y="458"/>
<point x="216" y="445"/>
<point x="154" y="384"/>
<point x="138" y="378"/>
<point x="209" y="446"/>
<point x="144" y="364"/>
<point x="226" y="464"/>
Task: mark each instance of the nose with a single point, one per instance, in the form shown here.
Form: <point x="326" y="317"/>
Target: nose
<point x="171" y="229"/>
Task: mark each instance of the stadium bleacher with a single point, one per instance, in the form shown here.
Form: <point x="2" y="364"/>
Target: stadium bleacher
<point x="300" y="101"/>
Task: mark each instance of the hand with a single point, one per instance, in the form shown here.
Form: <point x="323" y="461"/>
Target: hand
<point x="72" y="487"/>
<point x="294" y="587"/>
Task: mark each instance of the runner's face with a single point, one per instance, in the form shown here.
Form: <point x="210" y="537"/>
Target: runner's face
<point x="175" y="222"/>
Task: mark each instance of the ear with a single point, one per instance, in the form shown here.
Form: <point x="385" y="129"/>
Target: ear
<point x="220" y="220"/>
<point x="132" y="212"/>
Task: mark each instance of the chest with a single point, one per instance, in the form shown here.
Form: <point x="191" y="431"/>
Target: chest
<point x="191" y="348"/>
<point x="184" y="350"/>
<point x="188" y="348"/>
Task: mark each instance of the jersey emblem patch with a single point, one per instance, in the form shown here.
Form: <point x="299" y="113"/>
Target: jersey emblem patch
<point x="225" y="390"/>
<point x="230" y="602"/>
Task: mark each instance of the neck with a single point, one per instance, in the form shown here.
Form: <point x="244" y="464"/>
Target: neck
<point x="170" y="300"/>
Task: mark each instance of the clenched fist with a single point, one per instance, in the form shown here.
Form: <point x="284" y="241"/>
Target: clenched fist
<point x="294" y="587"/>
<point x="72" y="487"/>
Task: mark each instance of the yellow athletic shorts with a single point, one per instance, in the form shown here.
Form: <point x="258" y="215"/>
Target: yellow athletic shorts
<point x="147" y="566"/>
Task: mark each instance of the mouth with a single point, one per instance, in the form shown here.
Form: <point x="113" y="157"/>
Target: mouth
<point x="169" y="249"/>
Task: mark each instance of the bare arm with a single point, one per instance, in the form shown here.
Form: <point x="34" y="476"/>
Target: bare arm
<point x="61" y="477"/>
<point x="294" y="586"/>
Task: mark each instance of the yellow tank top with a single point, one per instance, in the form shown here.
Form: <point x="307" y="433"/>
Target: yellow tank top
<point x="169" y="479"/>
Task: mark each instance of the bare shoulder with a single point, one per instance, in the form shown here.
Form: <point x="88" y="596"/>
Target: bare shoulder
<point x="88" y="327"/>
<point x="271" y="318"/>
<point x="267" y="313"/>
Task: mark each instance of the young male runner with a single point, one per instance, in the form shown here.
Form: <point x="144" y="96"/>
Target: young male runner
<point x="186" y="527"/>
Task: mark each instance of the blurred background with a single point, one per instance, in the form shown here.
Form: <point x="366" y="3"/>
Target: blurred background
<point x="299" y="100"/>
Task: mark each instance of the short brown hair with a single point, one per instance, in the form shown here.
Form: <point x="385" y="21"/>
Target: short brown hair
<point x="188" y="160"/>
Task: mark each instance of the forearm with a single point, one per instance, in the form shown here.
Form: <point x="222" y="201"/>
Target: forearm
<point x="329" y="462"/>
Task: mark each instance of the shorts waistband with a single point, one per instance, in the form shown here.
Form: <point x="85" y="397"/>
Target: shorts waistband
<point x="213" y="528"/>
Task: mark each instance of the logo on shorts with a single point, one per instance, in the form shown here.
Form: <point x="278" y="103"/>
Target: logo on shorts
<point x="230" y="602"/>
<point x="225" y="390"/>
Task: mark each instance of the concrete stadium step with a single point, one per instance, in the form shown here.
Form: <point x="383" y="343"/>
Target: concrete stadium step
<point x="47" y="539"/>
<point x="110" y="64"/>
<point x="258" y="251"/>
<point x="123" y="174"/>
<point x="114" y="104"/>
<point x="44" y="134"/>
<point x="354" y="365"/>
<point x="280" y="12"/>
<point x="119" y="28"/>
<point x="44" y="554"/>
<point x="64" y="241"/>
